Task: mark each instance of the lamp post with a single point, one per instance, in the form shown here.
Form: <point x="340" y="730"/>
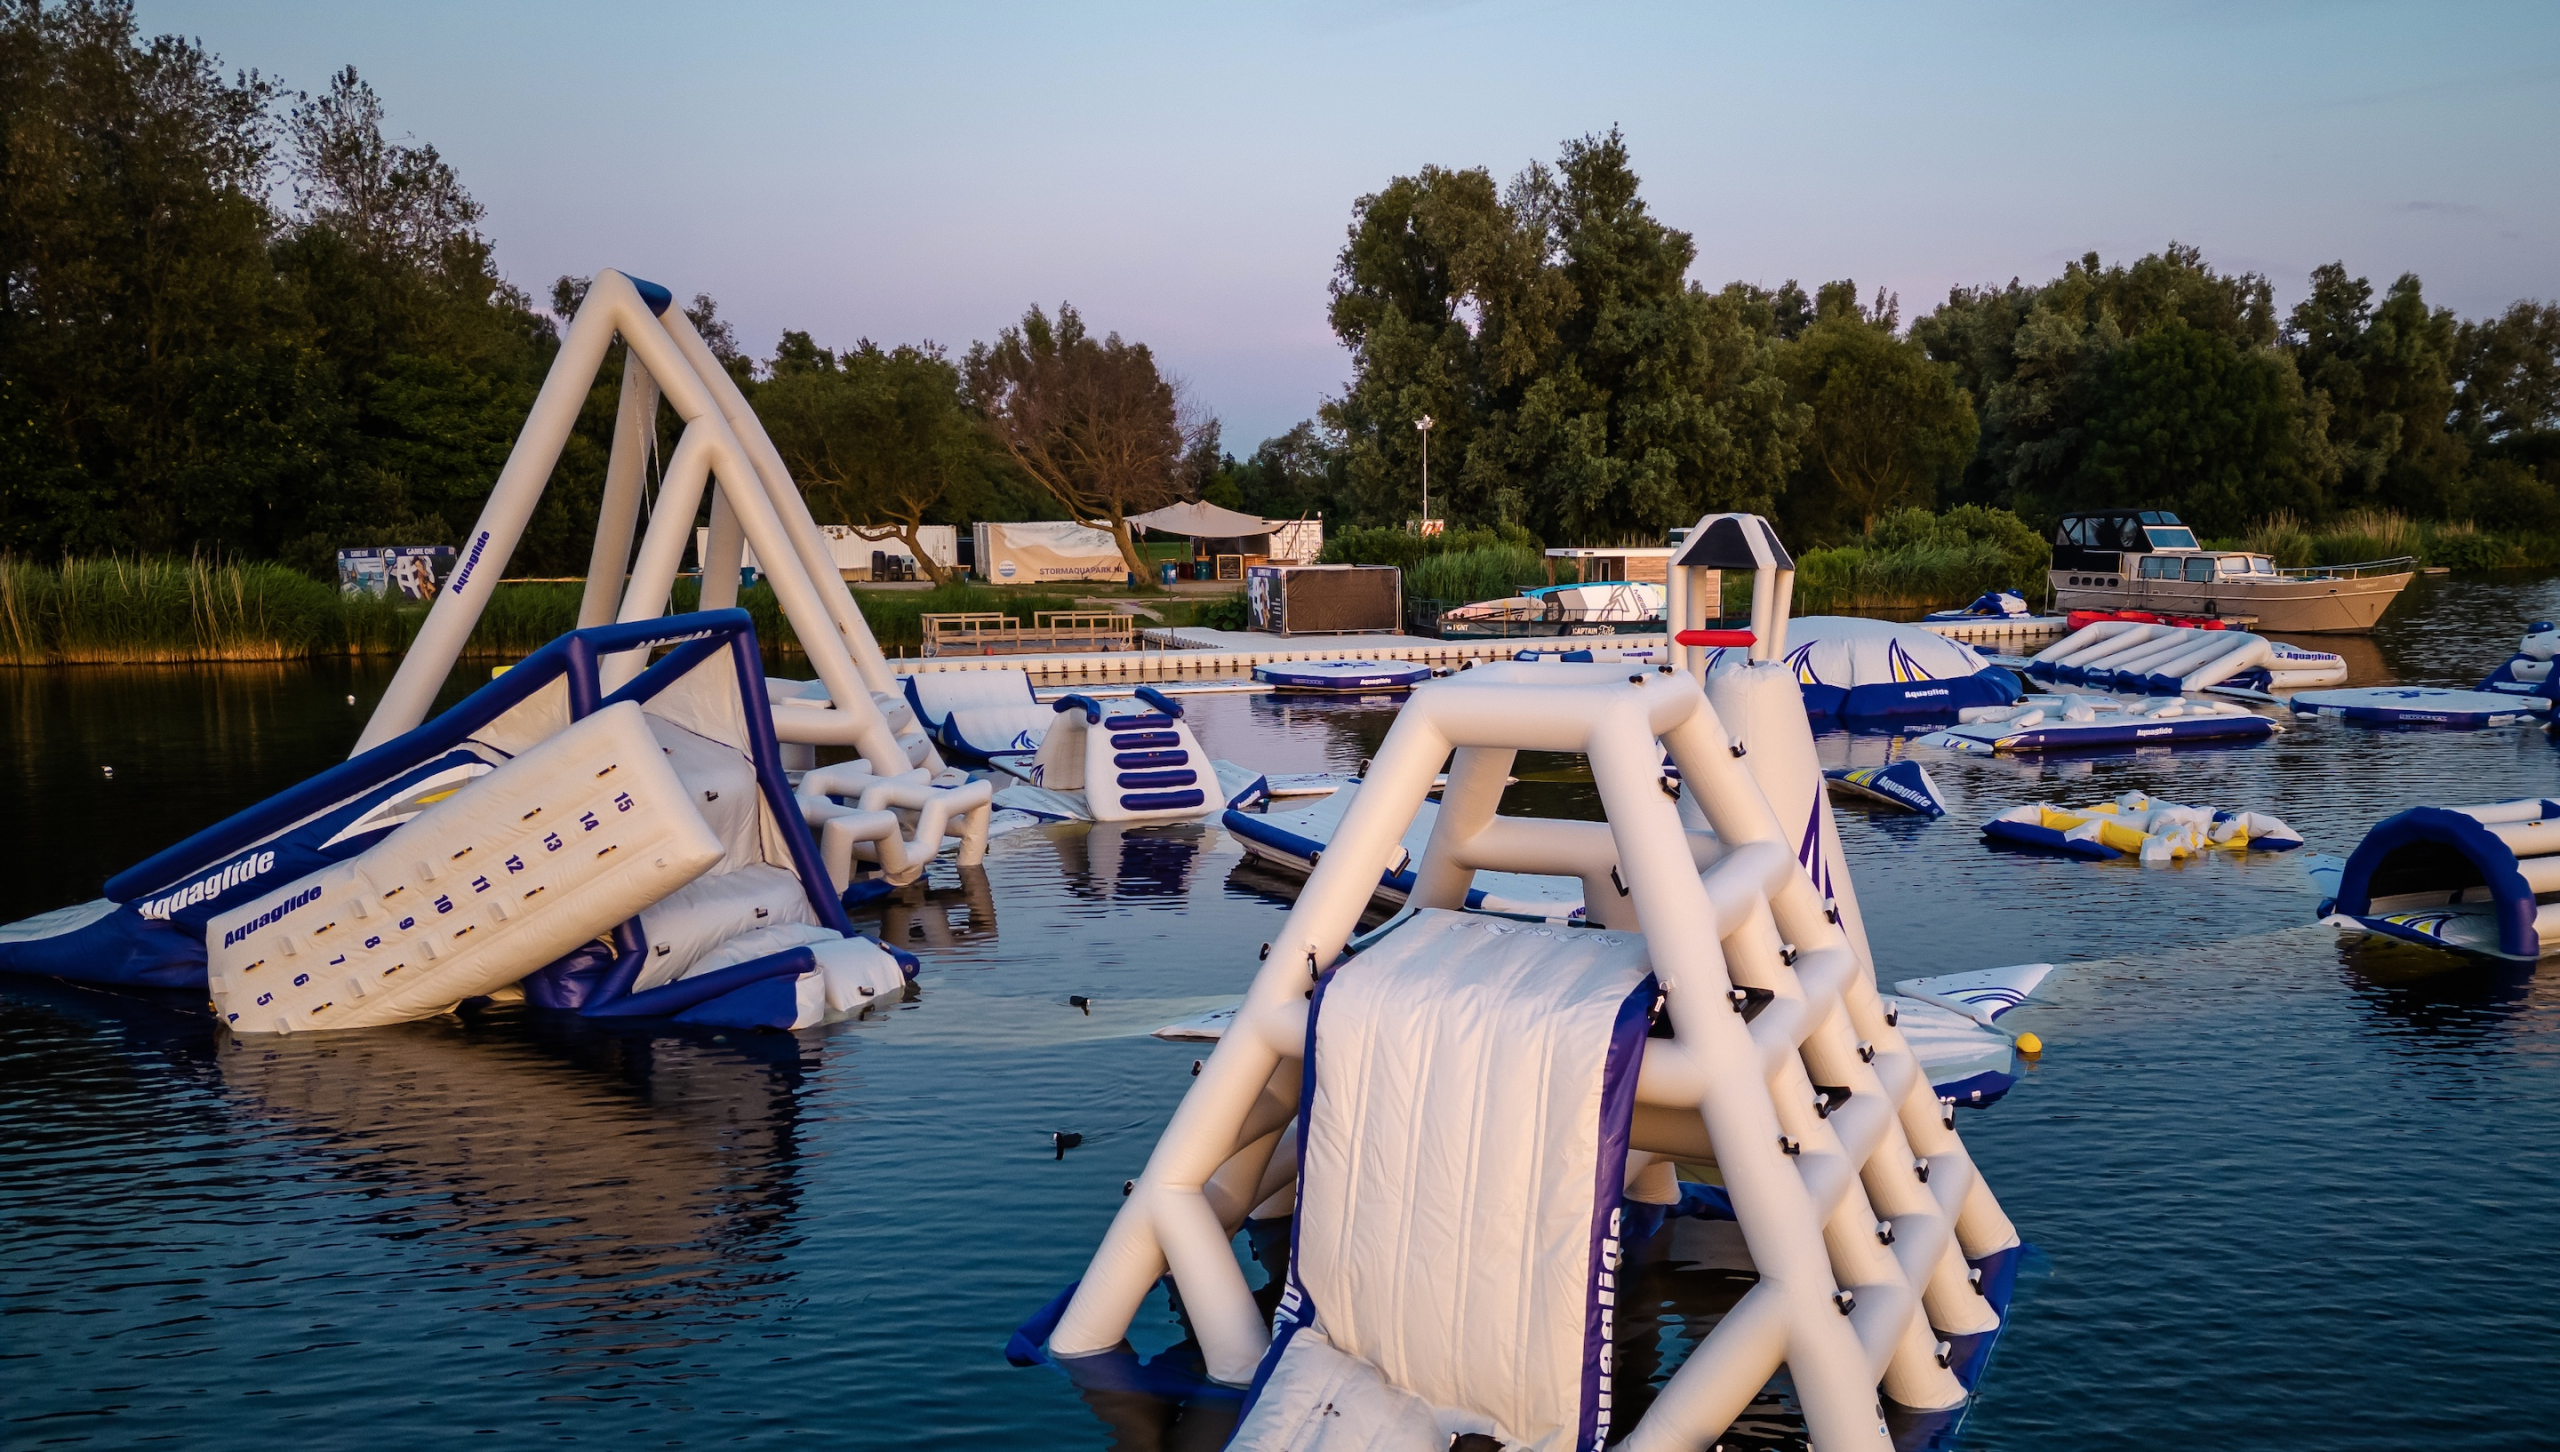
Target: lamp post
<point x="1424" y="424"/>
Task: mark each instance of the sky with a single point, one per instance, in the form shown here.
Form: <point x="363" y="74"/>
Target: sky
<point x="1185" y="175"/>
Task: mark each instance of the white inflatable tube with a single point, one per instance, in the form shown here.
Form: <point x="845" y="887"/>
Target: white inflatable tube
<point x="877" y="819"/>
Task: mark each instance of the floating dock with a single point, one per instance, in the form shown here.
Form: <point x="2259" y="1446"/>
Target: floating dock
<point x="1193" y="651"/>
<point x="2008" y="635"/>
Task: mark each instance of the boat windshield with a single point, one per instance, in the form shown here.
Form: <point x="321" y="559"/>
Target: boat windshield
<point x="2169" y="536"/>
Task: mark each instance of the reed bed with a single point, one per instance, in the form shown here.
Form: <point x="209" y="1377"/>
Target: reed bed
<point x="118" y="610"/>
<point x="2381" y="534"/>
<point x="1487" y="572"/>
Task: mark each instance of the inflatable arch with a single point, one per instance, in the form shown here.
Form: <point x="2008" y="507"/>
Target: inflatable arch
<point x="2466" y="878"/>
<point x="755" y="502"/>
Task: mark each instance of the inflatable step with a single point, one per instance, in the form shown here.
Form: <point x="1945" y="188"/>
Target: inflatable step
<point x="507" y="874"/>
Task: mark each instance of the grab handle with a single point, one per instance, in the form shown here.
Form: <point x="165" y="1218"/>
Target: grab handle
<point x="1715" y="637"/>
<point x="1160" y="701"/>
<point x="1092" y="709"/>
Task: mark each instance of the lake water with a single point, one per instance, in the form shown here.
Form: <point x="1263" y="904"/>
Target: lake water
<point x="2287" y="1192"/>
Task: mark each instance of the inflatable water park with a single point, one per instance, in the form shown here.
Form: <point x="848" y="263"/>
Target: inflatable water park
<point x="1483" y="1057"/>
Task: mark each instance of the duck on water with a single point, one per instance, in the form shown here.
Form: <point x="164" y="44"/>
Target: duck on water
<point x="2126" y="559"/>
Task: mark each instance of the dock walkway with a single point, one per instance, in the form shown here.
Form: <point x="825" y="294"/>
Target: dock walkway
<point x="1192" y="652"/>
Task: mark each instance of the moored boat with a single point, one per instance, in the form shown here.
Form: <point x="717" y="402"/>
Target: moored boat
<point x="2147" y="560"/>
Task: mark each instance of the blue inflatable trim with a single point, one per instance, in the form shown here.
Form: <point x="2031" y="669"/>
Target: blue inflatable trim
<point x="2429" y="849"/>
<point x="1893" y="705"/>
<point x="2047" y="839"/>
<point x="124" y="947"/>
<point x="654" y="294"/>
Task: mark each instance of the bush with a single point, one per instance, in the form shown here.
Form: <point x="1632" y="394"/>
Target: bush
<point x="1913" y="560"/>
<point x="1227" y="612"/>
<point x="2508" y="496"/>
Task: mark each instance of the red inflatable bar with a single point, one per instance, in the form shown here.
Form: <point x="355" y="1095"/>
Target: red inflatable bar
<point x="1714" y="637"/>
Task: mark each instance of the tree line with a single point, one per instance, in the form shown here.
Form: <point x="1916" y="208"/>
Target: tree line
<point x="242" y="320"/>
<point x="1582" y="386"/>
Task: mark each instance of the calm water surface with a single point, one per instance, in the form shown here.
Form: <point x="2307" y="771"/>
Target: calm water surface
<point x="2288" y="1193"/>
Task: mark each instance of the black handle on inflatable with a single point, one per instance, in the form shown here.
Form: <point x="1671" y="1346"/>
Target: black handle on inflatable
<point x="1092" y="709"/>
<point x="1172" y="707"/>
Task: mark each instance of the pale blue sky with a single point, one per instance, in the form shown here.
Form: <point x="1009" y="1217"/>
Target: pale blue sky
<point x="1184" y="174"/>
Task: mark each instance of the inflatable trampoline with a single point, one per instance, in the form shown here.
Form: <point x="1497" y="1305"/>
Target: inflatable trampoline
<point x="2482" y="880"/>
<point x="1344" y="677"/>
<point x="2423" y="706"/>
<point x="1874" y="675"/>
<point x="2070" y="723"/>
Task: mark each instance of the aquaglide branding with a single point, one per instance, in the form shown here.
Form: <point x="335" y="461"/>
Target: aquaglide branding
<point x="304" y="898"/>
<point x="231" y="875"/>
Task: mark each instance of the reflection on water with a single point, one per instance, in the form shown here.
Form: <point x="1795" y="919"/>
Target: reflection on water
<point x="2296" y="1193"/>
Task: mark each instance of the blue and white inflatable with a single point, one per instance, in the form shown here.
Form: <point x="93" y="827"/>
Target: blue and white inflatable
<point x="2426" y="706"/>
<point x="1993" y="605"/>
<point x="2082" y="723"/>
<point x="1874" y="675"/>
<point x="1905" y="785"/>
<point x="2528" y="671"/>
<point x="633" y="853"/>
<point x="1342" y="677"/>
<point x="2483" y="880"/>
<point x="980" y="717"/>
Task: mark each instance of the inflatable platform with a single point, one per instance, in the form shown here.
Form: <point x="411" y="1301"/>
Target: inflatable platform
<point x="625" y="853"/>
<point x="2068" y="723"/>
<point x="2426" y="706"/>
<point x="1342" y="677"/>
<point x="2138" y="826"/>
<point x="2483" y="880"/>
<point x="1295" y="840"/>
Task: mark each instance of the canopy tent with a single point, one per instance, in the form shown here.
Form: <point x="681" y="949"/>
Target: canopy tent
<point x="1200" y="520"/>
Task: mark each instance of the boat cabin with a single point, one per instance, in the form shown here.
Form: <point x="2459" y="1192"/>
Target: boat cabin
<point x="2090" y="550"/>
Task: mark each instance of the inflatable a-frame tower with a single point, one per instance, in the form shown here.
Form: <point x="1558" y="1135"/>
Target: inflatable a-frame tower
<point x="1453" y="1106"/>
<point x="755" y="502"/>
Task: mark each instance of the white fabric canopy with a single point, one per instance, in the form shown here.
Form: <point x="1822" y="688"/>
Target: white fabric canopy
<point x="1200" y="520"/>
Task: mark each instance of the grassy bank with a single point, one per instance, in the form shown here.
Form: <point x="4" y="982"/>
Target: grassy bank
<point x="121" y="611"/>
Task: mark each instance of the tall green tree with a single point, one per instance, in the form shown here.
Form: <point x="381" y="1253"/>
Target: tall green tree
<point x="1577" y="381"/>
<point x="1090" y="420"/>
<point x="880" y="439"/>
<point x="2380" y="380"/>
<point x="1890" y="426"/>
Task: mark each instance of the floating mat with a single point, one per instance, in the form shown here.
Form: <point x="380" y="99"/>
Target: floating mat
<point x="507" y="874"/>
<point x="1904" y="785"/>
<point x="2421" y="706"/>
<point x="1463" y="1146"/>
<point x="1356" y="676"/>
<point x="2066" y="723"/>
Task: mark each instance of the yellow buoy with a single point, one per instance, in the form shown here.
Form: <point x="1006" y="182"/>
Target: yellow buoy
<point x="2030" y="1044"/>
